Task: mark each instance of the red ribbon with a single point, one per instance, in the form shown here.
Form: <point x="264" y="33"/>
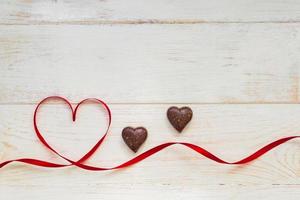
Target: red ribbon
<point x="146" y="154"/>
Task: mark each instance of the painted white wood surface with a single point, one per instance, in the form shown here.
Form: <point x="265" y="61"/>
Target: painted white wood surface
<point x="200" y="63"/>
<point x="236" y="63"/>
<point x="154" y="11"/>
<point x="230" y="131"/>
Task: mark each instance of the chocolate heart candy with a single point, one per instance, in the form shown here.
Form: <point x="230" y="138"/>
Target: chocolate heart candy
<point x="134" y="137"/>
<point x="179" y="117"/>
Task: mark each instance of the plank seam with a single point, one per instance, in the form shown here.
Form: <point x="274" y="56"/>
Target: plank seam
<point x="150" y="21"/>
<point x="164" y="103"/>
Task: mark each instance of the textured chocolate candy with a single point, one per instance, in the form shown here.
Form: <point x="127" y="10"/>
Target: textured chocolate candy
<point x="134" y="137"/>
<point x="179" y="117"/>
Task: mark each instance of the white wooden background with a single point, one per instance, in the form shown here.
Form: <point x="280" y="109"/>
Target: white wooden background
<point x="235" y="63"/>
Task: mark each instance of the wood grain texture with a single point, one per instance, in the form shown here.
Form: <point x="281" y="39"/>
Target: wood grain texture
<point x="155" y="11"/>
<point x="236" y="63"/>
<point x="153" y="190"/>
<point x="230" y="131"/>
<point x="208" y="63"/>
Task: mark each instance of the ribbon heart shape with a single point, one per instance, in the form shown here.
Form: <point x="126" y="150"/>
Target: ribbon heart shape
<point x="44" y="142"/>
<point x="74" y="113"/>
<point x="80" y="163"/>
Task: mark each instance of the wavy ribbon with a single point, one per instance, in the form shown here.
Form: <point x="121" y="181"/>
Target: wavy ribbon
<point x="80" y="163"/>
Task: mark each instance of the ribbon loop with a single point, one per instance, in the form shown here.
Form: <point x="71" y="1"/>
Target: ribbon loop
<point x="80" y="163"/>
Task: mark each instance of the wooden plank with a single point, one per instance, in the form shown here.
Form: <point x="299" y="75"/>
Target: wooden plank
<point x="208" y="63"/>
<point x="155" y="11"/>
<point x="135" y="191"/>
<point x="230" y="131"/>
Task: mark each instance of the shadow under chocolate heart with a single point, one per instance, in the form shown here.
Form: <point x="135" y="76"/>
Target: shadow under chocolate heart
<point x="179" y="117"/>
<point x="134" y="137"/>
